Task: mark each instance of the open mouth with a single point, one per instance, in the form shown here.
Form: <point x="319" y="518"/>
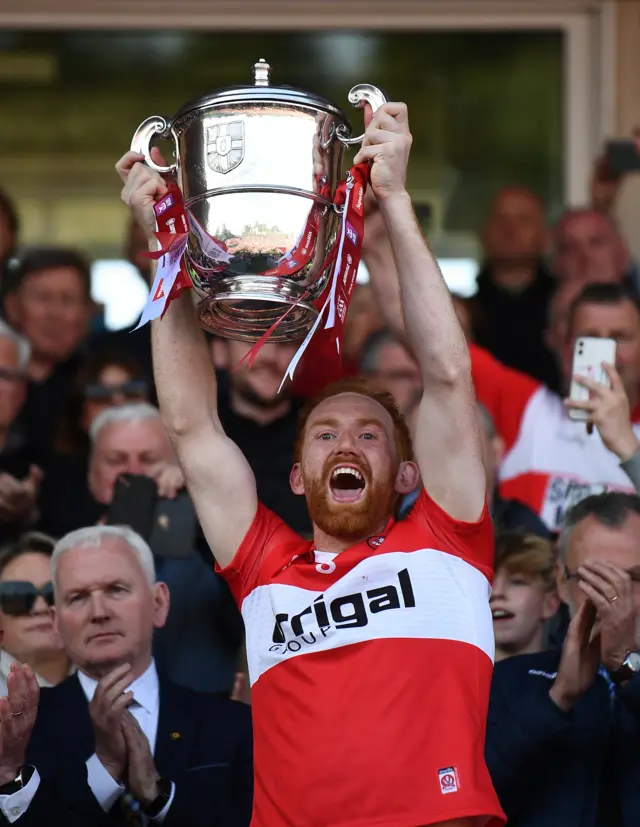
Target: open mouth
<point x="501" y="614"/>
<point x="347" y="484"/>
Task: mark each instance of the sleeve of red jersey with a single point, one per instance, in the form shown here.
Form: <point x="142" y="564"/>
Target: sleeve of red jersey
<point x="503" y="391"/>
<point x="472" y="542"/>
<point x="267" y="539"/>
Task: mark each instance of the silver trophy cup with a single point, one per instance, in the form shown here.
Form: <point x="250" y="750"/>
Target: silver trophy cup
<point x="258" y="168"/>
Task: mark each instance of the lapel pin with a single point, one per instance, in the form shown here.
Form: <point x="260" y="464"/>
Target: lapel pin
<point x="175" y="736"/>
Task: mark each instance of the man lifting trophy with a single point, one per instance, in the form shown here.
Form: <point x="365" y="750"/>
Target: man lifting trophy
<point x="370" y="648"/>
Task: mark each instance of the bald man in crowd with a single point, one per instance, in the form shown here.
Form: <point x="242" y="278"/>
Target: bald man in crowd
<point x="514" y="286"/>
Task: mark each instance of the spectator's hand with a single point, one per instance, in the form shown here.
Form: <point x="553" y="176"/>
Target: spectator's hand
<point x="387" y="144"/>
<point x="605" y="184"/>
<point x="107" y="709"/>
<point x="579" y="661"/>
<point x="18" y="498"/>
<point x="169" y="479"/>
<point x="610" y="590"/>
<point x="143" y="187"/>
<point x="608" y="410"/>
<point x="18" y="711"/>
<point x="142" y="775"/>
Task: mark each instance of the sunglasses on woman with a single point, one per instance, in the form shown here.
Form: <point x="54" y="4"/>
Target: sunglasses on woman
<point x="18" y="597"/>
<point x="129" y="390"/>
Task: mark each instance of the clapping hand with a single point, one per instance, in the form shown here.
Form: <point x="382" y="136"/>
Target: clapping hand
<point x="142" y="775"/>
<point x="610" y="590"/>
<point x="18" y="711"/>
<point x="107" y="708"/>
<point x="580" y="659"/>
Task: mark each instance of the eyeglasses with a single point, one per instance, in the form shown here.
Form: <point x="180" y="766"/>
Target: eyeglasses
<point x="129" y="390"/>
<point x="634" y="574"/>
<point x="18" y="597"/>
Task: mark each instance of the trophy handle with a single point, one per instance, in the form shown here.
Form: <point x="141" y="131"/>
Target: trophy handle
<point x="145" y="133"/>
<point x="358" y="96"/>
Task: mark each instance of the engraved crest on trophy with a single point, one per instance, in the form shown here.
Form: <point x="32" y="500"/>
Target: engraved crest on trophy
<point x="225" y="146"/>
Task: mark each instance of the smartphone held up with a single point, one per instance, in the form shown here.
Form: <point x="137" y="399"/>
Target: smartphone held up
<point x="589" y="354"/>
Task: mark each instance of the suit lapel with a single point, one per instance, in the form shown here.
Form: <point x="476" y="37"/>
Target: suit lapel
<point x="175" y="730"/>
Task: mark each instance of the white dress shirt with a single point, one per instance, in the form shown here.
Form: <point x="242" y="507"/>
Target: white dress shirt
<point x="145" y="709"/>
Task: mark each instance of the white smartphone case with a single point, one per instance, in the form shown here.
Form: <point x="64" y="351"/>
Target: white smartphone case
<point x="588" y="355"/>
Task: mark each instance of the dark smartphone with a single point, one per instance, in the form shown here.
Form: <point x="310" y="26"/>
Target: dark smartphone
<point x="134" y="502"/>
<point x="174" y="527"/>
<point x="623" y="157"/>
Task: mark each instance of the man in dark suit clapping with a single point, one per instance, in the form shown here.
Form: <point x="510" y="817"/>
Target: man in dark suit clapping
<point x="116" y="744"/>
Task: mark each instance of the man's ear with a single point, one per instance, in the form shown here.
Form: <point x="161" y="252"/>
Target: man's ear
<point x="407" y="478"/>
<point x="295" y="480"/>
<point x="550" y="605"/>
<point x="161" y="604"/>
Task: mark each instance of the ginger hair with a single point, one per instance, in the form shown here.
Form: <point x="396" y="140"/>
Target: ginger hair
<point x="362" y="387"/>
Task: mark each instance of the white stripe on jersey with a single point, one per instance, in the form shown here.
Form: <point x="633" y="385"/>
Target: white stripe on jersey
<point x="420" y="594"/>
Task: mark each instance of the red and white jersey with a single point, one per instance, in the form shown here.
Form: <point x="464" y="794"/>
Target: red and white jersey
<point x="370" y="673"/>
<point x="551" y="462"/>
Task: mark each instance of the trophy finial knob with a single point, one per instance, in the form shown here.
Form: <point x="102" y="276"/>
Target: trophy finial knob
<point x="261" y="71"/>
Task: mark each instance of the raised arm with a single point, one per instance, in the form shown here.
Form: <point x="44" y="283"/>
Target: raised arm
<point x="218" y="477"/>
<point x="447" y="442"/>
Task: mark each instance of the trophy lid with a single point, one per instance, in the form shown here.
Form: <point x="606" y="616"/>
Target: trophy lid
<point x="262" y="92"/>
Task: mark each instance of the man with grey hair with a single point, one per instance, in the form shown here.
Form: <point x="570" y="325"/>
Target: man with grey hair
<point x="128" y="439"/>
<point x="555" y="716"/>
<point x="126" y="719"/>
<point x="125" y="439"/>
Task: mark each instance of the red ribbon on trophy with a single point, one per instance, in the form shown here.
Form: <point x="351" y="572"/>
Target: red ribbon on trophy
<point x="172" y="234"/>
<point x="321" y="347"/>
<point x="300" y="254"/>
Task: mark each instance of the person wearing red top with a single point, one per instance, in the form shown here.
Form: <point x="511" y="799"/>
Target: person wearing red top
<point x="370" y="649"/>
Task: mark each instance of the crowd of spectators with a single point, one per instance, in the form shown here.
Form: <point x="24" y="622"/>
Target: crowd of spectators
<point x="78" y="411"/>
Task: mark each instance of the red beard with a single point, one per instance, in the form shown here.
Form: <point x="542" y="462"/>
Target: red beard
<point x="350" y="521"/>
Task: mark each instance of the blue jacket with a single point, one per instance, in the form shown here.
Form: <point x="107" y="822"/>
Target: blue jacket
<point x="557" y="769"/>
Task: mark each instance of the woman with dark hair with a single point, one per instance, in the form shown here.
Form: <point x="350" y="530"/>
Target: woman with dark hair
<point x="107" y="377"/>
<point x="26" y="597"/>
